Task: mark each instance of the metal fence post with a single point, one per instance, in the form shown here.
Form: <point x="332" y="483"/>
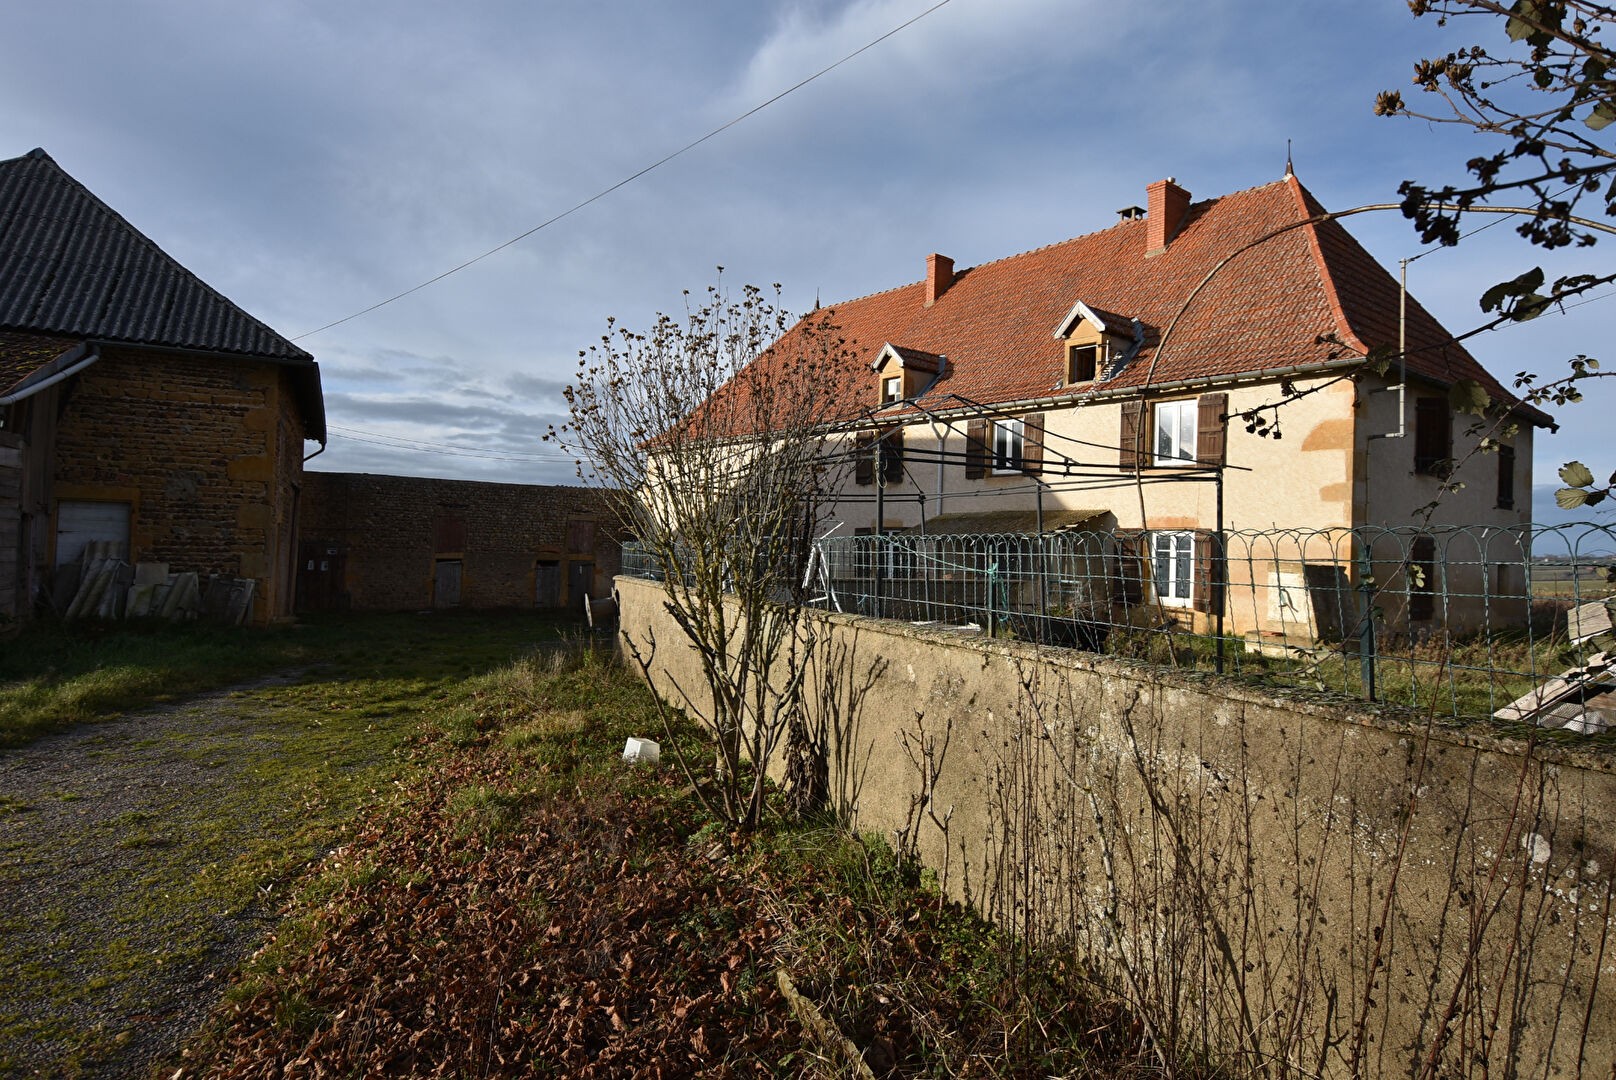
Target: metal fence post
<point x="1366" y="620"/>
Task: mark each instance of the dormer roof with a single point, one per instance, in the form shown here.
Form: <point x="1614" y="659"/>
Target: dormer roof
<point x="908" y="359"/>
<point x="1106" y="322"/>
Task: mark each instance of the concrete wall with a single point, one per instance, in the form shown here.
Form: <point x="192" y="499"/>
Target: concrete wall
<point x="390" y="537"/>
<point x="1259" y="873"/>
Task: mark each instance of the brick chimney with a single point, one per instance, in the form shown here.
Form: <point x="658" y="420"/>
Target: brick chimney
<point x="1168" y="204"/>
<point x="939" y="276"/>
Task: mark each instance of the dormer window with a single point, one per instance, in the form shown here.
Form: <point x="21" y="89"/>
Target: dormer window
<point x="905" y="374"/>
<point x="1082" y="363"/>
<point x="1096" y="342"/>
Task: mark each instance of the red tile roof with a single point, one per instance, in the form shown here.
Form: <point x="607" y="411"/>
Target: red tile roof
<point x="1304" y="296"/>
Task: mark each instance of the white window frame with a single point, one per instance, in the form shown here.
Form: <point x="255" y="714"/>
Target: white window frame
<point x="1008" y="452"/>
<point x="891" y="389"/>
<point x="1172" y="567"/>
<point x="1174" y="432"/>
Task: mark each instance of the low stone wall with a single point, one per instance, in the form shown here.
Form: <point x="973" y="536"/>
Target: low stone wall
<point x="1307" y="885"/>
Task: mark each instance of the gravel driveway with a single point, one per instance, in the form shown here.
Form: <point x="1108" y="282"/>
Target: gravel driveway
<point x="111" y="947"/>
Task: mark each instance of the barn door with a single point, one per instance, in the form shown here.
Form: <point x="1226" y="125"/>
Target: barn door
<point x="547" y="583"/>
<point x="446" y="584"/>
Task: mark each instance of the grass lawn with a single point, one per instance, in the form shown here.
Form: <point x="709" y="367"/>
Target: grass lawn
<point x="469" y="881"/>
<point x="55" y="675"/>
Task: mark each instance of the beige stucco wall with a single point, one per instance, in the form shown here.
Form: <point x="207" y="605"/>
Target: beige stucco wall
<point x="1272" y="871"/>
<point x="1300" y="479"/>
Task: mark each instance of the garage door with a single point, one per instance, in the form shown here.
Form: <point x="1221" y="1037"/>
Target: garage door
<point x="81" y="522"/>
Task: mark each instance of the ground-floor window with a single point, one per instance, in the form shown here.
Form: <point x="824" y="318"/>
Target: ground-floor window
<point x="1173" y="564"/>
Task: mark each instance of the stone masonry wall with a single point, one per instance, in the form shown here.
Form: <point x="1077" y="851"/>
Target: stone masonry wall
<point x="390" y="532"/>
<point x="190" y="443"/>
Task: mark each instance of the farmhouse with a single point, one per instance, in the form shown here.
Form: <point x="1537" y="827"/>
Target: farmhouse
<point x="139" y="408"/>
<point x="1195" y="369"/>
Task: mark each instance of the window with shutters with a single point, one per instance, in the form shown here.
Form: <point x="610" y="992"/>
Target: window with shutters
<point x="1175" y="432"/>
<point x="1004" y="446"/>
<point x="1172" y="556"/>
<point x="1008" y="438"/>
<point x="892" y="456"/>
<point x="863" y="460"/>
<point x="1506" y="478"/>
<point x="1433" y="436"/>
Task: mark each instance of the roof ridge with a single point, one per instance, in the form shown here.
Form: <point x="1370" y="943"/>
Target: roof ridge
<point x="100" y="205"/>
<point x="1321" y="265"/>
<point x="1057" y="243"/>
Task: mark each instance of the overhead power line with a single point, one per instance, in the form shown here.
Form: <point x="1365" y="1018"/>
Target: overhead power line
<point x="685" y="149"/>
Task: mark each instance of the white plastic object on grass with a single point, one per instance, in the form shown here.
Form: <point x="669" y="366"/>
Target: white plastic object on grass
<point x="642" y="752"/>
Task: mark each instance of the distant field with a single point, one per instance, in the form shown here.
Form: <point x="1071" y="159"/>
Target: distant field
<point x="1568" y="581"/>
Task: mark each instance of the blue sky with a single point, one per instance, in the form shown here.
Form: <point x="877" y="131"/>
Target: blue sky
<point x="309" y="159"/>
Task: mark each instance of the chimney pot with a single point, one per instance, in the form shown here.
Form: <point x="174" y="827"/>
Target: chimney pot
<point x="939" y="276"/>
<point x="1130" y="213"/>
<point x="1168" y="204"/>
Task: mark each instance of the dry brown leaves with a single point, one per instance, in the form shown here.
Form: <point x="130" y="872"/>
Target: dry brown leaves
<point x="582" y="938"/>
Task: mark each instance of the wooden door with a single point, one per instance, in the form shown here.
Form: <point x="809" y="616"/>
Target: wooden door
<point x="446" y="584"/>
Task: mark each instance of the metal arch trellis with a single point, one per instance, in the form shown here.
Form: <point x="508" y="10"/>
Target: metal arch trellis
<point x="1465" y="619"/>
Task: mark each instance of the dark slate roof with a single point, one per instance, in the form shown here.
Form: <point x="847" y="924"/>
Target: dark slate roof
<point x="70" y="264"/>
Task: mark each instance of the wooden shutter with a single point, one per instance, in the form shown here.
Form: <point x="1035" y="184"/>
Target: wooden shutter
<point x="1210" y="571"/>
<point x="1210" y="430"/>
<point x="1422" y="594"/>
<point x="1032" y="444"/>
<point x="449" y="533"/>
<point x="892" y="456"/>
<point x="1506" y="478"/>
<point x="1130" y="568"/>
<point x="863" y="466"/>
<point x="976" y="449"/>
<point x="1433" y="435"/>
<point x="1133" y="415"/>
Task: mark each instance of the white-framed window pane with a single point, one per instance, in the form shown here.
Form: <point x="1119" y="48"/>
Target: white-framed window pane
<point x="1007" y="443"/>
<point x="1175" y="432"/>
<point x="894" y="388"/>
<point x="1173" y="563"/>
